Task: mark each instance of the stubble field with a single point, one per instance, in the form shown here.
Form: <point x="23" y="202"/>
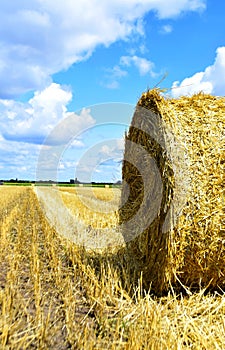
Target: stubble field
<point x="65" y="285"/>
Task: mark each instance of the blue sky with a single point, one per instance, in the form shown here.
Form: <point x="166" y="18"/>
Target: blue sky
<point x="71" y="73"/>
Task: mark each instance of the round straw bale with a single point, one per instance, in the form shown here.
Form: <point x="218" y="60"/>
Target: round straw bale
<point x="172" y="208"/>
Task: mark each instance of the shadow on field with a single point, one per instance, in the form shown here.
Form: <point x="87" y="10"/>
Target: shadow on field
<point x="114" y="266"/>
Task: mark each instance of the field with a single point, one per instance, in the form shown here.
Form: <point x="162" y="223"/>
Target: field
<point x="64" y="285"/>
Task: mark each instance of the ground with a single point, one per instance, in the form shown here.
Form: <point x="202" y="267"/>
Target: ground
<point x="56" y="294"/>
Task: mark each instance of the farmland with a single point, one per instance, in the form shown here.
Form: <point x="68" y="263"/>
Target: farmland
<point x="56" y="293"/>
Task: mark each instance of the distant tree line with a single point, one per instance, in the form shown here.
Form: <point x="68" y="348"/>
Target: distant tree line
<point x="51" y="182"/>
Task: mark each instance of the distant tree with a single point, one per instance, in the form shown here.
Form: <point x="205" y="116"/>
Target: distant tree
<point x="118" y="182"/>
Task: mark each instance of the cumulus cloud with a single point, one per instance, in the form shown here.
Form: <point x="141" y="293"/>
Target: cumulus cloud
<point x="105" y="156"/>
<point x="68" y="129"/>
<point x="208" y="81"/>
<point x="43" y="116"/>
<point x="112" y="150"/>
<point x="143" y="65"/>
<point x="17" y="159"/>
<point x="115" y="74"/>
<point x="173" y="8"/>
<point x="41" y="37"/>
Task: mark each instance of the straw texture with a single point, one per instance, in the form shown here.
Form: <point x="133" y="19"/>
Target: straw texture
<point x="173" y="212"/>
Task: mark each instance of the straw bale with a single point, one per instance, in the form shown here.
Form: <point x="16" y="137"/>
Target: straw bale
<point x="172" y="212"/>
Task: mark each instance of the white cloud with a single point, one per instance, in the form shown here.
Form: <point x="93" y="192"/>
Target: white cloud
<point x="77" y="144"/>
<point x="173" y="8"/>
<point x="105" y="155"/>
<point x="192" y="85"/>
<point x="17" y="159"/>
<point x="69" y="128"/>
<point x="115" y="74"/>
<point x="61" y="166"/>
<point x="143" y="65"/>
<point x="41" y="126"/>
<point x="112" y="150"/>
<point x="41" y="37"/>
<point x="209" y="81"/>
<point x="32" y="121"/>
<point x="166" y="29"/>
<point x="112" y="77"/>
<point x="44" y="114"/>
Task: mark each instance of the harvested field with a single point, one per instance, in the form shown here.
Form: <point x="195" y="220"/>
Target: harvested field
<point x="83" y="218"/>
<point x="57" y="295"/>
